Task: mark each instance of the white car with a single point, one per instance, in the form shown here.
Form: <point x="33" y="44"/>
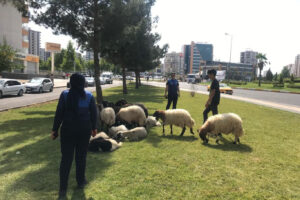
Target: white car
<point x="39" y="85"/>
<point x="90" y="81"/>
<point x="11" y="87"/>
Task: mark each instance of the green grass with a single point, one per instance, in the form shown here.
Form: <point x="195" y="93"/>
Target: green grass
<point x="263" y="86"/>
<point x="265" y="166"/>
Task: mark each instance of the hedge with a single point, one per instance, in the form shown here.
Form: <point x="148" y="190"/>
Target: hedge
<point x="294" y="86"/>
<point x="235" y="82"/>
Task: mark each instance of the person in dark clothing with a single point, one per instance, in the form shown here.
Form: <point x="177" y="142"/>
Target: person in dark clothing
<point x="76" y="113"/>
<point x="214" y="96"/>
<point x="172" y="92"/>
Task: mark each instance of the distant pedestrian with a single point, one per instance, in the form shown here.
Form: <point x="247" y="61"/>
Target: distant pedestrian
<point x="77" y="113"/>
<point x="172" y="92"/>
<point x="214" y="95"/>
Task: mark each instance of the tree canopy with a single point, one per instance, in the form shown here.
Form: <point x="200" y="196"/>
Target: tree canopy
<point x="7" y="54"/>
<point x="285" y="72"/>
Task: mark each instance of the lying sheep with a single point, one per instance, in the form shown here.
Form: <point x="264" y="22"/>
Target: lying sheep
<point x="135" y="134"/>
<point x="132" y="114"/>
<point x="103" y="142"/>
<point x="222" y="123"/>
<point x="152" y="122"/>
<point x="177" y="117"/>
<point x="108" y="116"/>
<point x="113" y="131"/>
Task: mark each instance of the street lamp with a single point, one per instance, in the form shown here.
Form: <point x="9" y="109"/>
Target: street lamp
<point x="231" y="38"/>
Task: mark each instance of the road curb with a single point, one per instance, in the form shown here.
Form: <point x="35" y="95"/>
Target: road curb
<point x="264" y="90"/>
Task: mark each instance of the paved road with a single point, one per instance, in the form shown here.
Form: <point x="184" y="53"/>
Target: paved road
<point x="30" y="99"/>
<point x="282" y="101"/>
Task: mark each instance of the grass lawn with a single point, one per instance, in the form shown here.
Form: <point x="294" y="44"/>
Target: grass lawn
<point x="263" y="86"/>
<point x="265" y="166"/>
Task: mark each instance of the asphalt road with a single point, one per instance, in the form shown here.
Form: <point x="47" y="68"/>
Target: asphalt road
<point x="10" y="102"/>
<point x="283" y="101"/>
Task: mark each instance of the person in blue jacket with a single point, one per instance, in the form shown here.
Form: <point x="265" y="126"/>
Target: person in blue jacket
<point x="172" y="92"/>
<point x="76" y="113"/>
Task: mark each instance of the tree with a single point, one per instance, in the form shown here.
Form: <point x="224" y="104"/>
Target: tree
<point x="59" y="58"/>
<point x="292" y="78"/>
<point x="269" y="76"/>
<point x="68" y="63"/>
<point x="262" y="61"/>
<point x="285" y="73"/>
<point x="275" y="77"/>
<point x="7" y="54"/>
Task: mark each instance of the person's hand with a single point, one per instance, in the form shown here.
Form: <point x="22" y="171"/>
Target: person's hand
<point x="54" y="135"/>
<point x="207" y="104"/>
<point x="94" y="132"/>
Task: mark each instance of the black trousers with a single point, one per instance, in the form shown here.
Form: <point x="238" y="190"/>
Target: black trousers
<point x="75" y="141"/>
<point x="172" y="99"/>
<point x="213" y="108"/>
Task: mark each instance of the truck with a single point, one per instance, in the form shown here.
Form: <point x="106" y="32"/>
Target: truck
<point x="106" y="78"/>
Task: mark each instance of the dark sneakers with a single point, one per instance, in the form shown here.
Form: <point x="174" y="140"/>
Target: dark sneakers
<point x="83" y="184"/>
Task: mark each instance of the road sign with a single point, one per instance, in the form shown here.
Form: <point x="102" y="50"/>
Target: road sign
<point x="53" y="47"/>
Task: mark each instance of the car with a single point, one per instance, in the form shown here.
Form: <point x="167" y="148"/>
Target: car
<point x="11" y="87"/>
<point x="69" y="85"/>
<point x="39" y="85"/>
<point x="106" y="77"/>
<point x="224" y="88"/>
<point x="129" y="78"/>
<point x="90" y="81"/>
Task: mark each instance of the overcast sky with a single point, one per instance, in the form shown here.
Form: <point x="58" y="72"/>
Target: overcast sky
<point x="267" y="26"/>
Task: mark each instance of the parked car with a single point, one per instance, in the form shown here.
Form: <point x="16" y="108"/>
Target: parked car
<point x="11" y="87"/>
<point x="129" y="78"/>
<point x="90" y="81"/>
<point x="106" y="77"/>
<point x="224" y="88"/>
<point x="39" y="85"/>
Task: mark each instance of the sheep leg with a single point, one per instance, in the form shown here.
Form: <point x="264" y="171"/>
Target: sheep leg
<point x="236" y="140"/>
<point x="171" y="126"/>
<point x="183" y="130"/>
<point x="192" y="132"/>
<point x="163" y="129"/>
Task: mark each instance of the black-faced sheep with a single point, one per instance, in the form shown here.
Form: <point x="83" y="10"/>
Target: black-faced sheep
<point x="177" y="117"/>
<point x="103" y="142"/>
<point x="222" y="123"/>
<point x="135" y="134"/>
<point x="132" y="114"/>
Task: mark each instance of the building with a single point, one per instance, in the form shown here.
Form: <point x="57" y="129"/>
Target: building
<point x="44" y="55"/>
<point x="196" y="55"/>
<point x="89" y="55"/>
<point x="14" y="29"/>
<point x="34" y="38"/>
<point x="173" y="62"/>
<point x="296" y="70"/>
<point x="249" y="57"/>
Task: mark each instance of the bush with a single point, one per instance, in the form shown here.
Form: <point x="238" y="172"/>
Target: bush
<point x="293" y="86"/>
<point x="278" y="84"/>
<point x="235" y="82"/>
<point x="264" y="82"/>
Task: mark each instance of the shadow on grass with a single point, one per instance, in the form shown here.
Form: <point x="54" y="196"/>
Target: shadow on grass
<point x="227" y="145"/>
<point x="180" y="138"/>
<point x="41" y="112"/>
<point x="36" y="166"/>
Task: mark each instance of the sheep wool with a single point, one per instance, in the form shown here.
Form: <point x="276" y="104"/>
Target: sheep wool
<point x="135" y="134"/>
<point x="115" y="129"/>
<point x="178" y="117"/>
<point x="108" y="116"/>
<point x="152" y="122"/>
<point x="133" y="114"/>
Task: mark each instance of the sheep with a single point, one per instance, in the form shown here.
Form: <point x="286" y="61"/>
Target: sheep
<point x="135" y="134"/>
<point x="222" y="123"/>
<point x="102" y="141"/>
<point x="152" y="122"/>
<point x="115" y="129"/>
<point x="121" y="102"/>
<point x="108" y="116"/>
<point x="177" y="117"/>
<point x="132" y="114"/>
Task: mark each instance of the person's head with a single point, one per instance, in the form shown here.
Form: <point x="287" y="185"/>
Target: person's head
<point x="173" y="75"/>
<point x="77" y="82"/>
<point x="212" y="74"/>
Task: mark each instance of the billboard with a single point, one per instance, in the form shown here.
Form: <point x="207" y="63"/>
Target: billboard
<point x="52" y="47"/>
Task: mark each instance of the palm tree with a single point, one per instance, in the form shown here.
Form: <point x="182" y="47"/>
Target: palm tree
<point x="262" y="61"/>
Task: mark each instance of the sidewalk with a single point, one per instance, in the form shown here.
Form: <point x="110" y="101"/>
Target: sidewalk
<point x="59" y="83"/>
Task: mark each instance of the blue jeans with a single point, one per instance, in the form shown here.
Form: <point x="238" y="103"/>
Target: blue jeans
<point x="172" y="99"/>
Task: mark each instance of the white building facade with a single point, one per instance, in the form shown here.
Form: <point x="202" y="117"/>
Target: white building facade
<point x="296" y="68"/>
<point x="173" y="62"/>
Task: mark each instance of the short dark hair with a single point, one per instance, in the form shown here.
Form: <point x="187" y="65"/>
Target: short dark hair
<point x="212" y="71"/>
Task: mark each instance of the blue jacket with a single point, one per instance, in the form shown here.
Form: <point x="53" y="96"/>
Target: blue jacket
<point x="87" y="112"/>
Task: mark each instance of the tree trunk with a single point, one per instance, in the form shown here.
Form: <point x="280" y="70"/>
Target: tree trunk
<point x="97" y="75"/>
<point x="259" y="81"/>
<point x="136" y="79"/>
<point x="140" y="83"/>
<point x="124" y="80"/>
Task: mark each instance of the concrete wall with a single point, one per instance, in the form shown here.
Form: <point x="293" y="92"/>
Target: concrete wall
<point x="11" y="26"/>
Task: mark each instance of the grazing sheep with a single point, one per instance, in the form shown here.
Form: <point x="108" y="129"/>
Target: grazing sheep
<point x="142" y="106"/>
<point x="108" y="116"/>
<point x="177" y="117"/>
<point x="121" y="102"/>
<point x="222" y="123"/>
<point x="152" y="122"/>
<point x="135" y="134"/>
<point x="115" y="129"/>
<point x="103" y="142"/>
<point x="132" y="114"/>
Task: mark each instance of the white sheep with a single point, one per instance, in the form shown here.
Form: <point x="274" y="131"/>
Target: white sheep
<point x="177" y="117"/>
<point x="135" y="134"/>
<point x="222" y="123"/>
<point x="108" y="116"/>
<point x="152" y="122"/>
<point x="132" y="114"/>
<point x="102" y="141"/>
<point x="115" y="129"/>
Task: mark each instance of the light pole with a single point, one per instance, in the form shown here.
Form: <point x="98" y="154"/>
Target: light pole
<point x="231" y="38"/>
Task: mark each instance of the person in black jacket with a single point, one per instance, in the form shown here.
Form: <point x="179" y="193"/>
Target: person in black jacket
<point x="77" y="115"/>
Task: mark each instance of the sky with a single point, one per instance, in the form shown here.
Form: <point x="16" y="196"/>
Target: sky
<point x="267" y="26"/>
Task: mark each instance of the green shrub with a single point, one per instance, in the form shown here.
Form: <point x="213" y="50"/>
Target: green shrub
<point x="235" y="82"/>
<point x="293" y="86"/>
<point x="278" y="84"/>
<point x="264" y="82"/>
